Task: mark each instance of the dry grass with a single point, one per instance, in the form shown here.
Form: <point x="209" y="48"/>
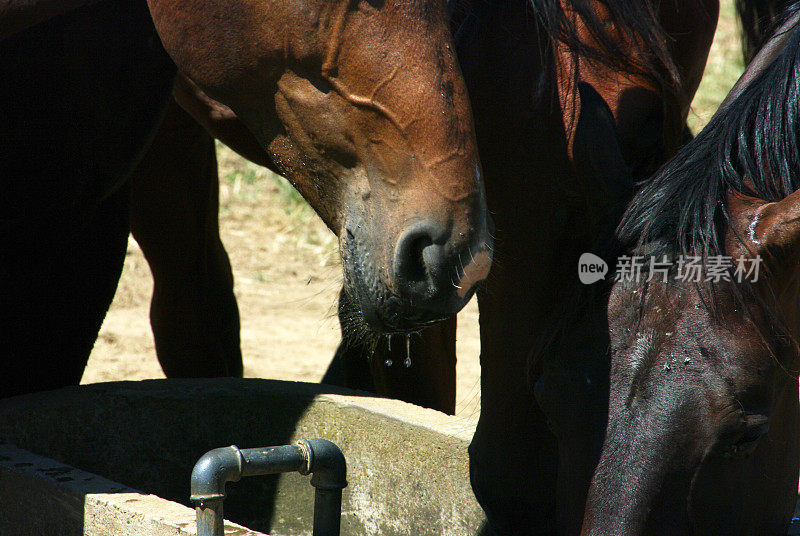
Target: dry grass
<point x="724" y="67"/>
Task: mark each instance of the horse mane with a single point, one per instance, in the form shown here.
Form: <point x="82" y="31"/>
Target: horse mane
<point x="635" y="44"/>
<point x="751" y="146"/>
<point x="759" y="20"/>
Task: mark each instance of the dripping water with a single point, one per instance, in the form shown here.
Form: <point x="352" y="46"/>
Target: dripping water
<point x="389" y="361"/>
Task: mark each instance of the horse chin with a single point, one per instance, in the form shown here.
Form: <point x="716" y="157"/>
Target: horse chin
<point x="381" y="313"/>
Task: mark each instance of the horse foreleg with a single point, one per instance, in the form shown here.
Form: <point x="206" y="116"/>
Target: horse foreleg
<point x="174" y="218"/>
<point x="419" y="368"/>
<point x="54" y="297"/>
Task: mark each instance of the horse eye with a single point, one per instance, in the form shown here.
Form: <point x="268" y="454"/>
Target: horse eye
<point x="744" y="443"/>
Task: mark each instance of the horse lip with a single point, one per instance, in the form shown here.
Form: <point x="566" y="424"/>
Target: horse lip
<point x="397" y="314"/>
<point x="475" y="272"/>
<point x="408" y="324"/>
<point x="401" y="320"/>
<point x="372" y="319"/>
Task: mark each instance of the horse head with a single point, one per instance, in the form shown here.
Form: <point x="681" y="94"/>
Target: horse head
<point x="703" y="413"/>
<point x="361" y="105"/>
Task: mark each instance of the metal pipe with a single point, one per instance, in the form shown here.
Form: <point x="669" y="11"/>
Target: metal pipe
<point x="325" y="502"/>
<point x="319" y="457"/>
<point x="328" y="476"/>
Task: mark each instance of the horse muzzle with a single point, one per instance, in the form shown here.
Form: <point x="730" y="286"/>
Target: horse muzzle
<point x="434" y="271"/>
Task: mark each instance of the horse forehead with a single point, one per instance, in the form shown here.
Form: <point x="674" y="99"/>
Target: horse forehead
<point x="642" y="347"/>
<point x="720" y="337"/>
<point x="662" y="318"/>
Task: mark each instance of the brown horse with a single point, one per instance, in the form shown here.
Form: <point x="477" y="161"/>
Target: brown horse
<point x="563" y="95"/>
<point x="704" y="424"/>
<point x="540" y="190"/>
<point x="361" y="104"/>
<point x="193" y="338"/>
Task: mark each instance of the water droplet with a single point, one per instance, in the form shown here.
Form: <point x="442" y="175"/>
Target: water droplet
<point x="407" y="361"/>
<point x="388" y="362"/>
<point x="389" y="341"/>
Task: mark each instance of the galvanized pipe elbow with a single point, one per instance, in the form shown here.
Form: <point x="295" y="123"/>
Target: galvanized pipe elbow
<point x="213" y="471"/>
<point x="326" y="464"/>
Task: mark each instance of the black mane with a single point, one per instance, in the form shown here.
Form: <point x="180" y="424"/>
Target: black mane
<point x="750" y="147"/>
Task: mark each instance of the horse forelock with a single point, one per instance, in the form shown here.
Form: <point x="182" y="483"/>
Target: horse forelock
<point x="751" y="146"/>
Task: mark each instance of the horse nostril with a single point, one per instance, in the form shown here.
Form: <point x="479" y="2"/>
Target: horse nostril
<point x="417" y="255"/>
<point x="436" y="268"/>
<point x="414" y="262"/>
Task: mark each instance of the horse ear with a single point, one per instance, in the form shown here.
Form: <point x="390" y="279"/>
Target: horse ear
<point x="596" y="144"/>
<point x="775" y="230"/>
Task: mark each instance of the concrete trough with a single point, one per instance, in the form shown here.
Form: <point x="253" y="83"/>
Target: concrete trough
<point x="115" y="458"/>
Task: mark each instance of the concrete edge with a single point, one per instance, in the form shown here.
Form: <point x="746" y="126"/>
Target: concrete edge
<point x="397" y="410"/>
<point x="406" y="413"/>
<point x="45" y="496"/>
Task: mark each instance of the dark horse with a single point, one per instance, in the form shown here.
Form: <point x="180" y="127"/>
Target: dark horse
<point x="573" y="101"/>
<point x="360" y="103"/>
<point x="704" y="425"/>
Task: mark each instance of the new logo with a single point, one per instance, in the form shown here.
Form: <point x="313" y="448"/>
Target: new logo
<point x="591" y="268"/>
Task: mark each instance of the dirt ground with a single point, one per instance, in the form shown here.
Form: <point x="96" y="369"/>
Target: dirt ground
<point x="287" y="271"/>
<point x="287" y="277"/>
